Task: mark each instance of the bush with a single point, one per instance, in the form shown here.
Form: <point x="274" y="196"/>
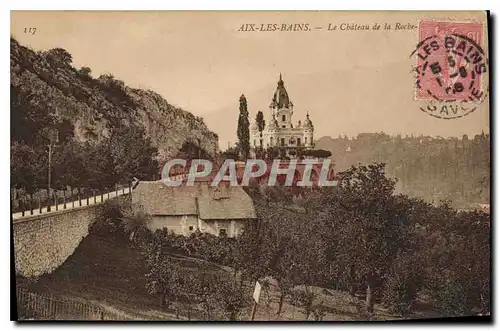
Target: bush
<point x="402" y="284"/>
<point x="231" y="297"/>
<point x="450" y="298"/>
<point x="108" y="221"/>
<point x="304" y="298"/>
<point x="319" y="153"/>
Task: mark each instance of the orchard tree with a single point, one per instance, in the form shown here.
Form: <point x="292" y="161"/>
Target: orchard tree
<point x="162" y="274"/>
<point x="367" y="230"/>
<point x="232" y="298"/>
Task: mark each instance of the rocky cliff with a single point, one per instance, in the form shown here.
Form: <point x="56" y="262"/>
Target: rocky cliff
<point x="46" y="81"/>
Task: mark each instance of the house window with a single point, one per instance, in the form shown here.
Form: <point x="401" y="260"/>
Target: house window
<point x="222" y="232"/>
<point x="283" y="126"/>
<point x="190" y="228"/>
<point x="283" y="118"/>
<point x="282" y="141"/>
<point x="298" y="141"/>
<point x="254" y="143"/>
<point x="271" y="141"/>
<point x="305" y="140"/>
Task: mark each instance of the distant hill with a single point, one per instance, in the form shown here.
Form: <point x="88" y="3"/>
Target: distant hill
<point x="47" y="81"/>
<point x="433" y="168"/>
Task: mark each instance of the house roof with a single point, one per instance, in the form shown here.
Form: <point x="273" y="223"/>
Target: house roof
<point x="202" y="199"/>
<point x="225" y="202"/>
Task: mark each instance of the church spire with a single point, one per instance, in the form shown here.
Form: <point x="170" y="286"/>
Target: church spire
<point x="280" y="97"/>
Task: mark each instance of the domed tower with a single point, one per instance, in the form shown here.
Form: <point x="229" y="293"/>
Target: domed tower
<point x="308" y="128"/>
<point x="281" y="107"/>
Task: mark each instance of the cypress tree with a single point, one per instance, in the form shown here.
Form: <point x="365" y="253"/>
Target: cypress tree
<point x="243" y="128"/>
<point x="261" y="124"/>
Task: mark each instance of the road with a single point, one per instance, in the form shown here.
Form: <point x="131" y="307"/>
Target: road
<point x="70" y="204"/>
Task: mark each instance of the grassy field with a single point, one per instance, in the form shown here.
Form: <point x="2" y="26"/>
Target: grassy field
<point x="112" y="274"/>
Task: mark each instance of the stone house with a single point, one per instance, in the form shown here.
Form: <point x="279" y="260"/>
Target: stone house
<point x="184" y="209"/>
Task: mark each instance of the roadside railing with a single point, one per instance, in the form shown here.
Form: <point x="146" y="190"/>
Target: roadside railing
<point x="28" y="207"/>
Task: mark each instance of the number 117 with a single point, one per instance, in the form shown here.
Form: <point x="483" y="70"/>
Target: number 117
<point x="30" y="30"/>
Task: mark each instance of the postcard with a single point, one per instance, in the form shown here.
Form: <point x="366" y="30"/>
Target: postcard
<point x="250" y="165"/>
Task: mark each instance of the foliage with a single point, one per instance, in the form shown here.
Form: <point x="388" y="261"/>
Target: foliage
<point x="231" y="153"/>
<point x="28" y="169"/>
<point x="193" y="150"/>
<point x="163" y="273"/>
<point x="243" y="128"/>
<point x="108" y="221"/>
<point x="135" y="222"/>
<point x="319" y="153"/>
<point x="102" y="139"/>
<point x="216" y="292"/>
<point x="424" y="166"/>
<point x="304" y="298"/>
<point x="359" y="236"/>
<point x="261" y="123"/>
<point x="403" y="283"/>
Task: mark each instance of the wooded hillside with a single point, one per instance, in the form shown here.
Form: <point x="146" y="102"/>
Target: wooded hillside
<point x="102" y="131"/>
<point x="433" y="168"/>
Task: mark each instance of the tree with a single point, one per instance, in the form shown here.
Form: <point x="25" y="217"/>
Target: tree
<point x="100" y="166"/>
<point x="261" y="123"/>
<point x="366" y="229"/>
<point x="457" y="255"/>
<point x="59" y="56"/>
<point x="243" y="128"/>
<point x="85" y="71"/>
<point x="162" y="274"/>
<point x="304" y="297"/>
<point x="135" y="222"/>
<point x="132" y="155"/>
<point x="28" y="115"/>
<point x="203" y="290"/>
<point x="27" y="167"/>
<point x="403" y="282"/>
<point x="192" y="149"/>
<point x="319" y="153"/>
<point x="230" y="153"/>
<point x="231" y="297"/>
<point x="286" y="249"/>
<point x="69" y="166"/>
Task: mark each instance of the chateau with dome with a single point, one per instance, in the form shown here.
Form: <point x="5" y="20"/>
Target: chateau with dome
<point x="279" y="130"/>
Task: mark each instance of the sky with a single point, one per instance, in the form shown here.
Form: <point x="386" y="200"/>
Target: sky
<point x="350" y="81"/>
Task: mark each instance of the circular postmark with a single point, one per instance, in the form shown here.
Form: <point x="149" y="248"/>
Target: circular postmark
<point x="450" y="70"/>
<point x="448" y="109"/>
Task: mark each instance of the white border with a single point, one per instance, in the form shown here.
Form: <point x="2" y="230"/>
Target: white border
<point x="493" y="5"/>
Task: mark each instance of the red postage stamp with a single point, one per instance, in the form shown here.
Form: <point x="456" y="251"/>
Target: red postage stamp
<point x="450" y="61"/>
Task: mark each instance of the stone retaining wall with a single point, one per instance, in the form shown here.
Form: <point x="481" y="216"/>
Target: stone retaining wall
<point x="43" y="242"/>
